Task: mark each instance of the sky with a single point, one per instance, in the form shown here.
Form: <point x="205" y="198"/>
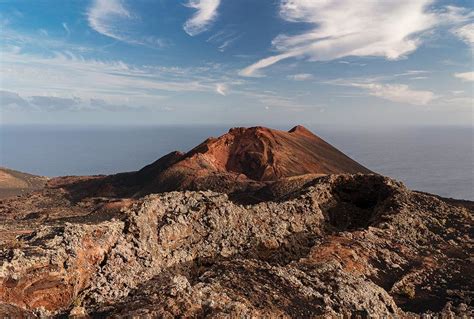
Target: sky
<point x="225" y="62"/>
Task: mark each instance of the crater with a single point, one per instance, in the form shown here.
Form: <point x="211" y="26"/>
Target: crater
<point x="354" y="203"/>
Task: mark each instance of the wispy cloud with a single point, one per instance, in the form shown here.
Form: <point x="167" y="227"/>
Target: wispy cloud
<point x="66" y="28"/>
<point x="271" y="100"/>
<point x="465" y="76"/>
<point x="465" y="33"/>
<point x="43" y="32"/>
<point x="389" y="29"/>
<point x="111" y="18"/>
<point x="253" y="70"/>
<point x="301" y="77"/>
<point x="399" y="93"/>
<point x="411" y="73"/>
<point x="67" y="74"/>
<point x="203" y="18"/>
<point x="458" y="103"/>
<point x="45" y="103"/>
<point x="221" y="89"/>
<point x="14" y="41"/>
<point x="224" y="39"/>
<point x="352" y="63"/>
<point x="104" y="17"/>
<point x="457" y="99"/>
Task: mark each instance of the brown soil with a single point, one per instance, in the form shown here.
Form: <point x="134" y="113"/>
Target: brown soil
<point x="13" y="183"/>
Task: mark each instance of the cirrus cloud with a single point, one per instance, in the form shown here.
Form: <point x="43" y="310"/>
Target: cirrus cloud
<point x="45" y="103"/>
<point x="109" y="18"/>
<point x="205" y="15"/>
<point x="399" y="93"/>
<point x="301" y="77"/>
<point x="389" y="29"/>
<point x="466" y="33"/>
<point x="103" y="16"/>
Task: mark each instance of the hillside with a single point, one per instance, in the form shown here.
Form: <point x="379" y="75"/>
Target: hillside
<point x="242" y="161"/>
<point x="14" y="183"/>
<point x="257" y="223"/>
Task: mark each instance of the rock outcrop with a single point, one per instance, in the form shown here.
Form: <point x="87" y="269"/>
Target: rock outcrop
<point x="356" y="245"/>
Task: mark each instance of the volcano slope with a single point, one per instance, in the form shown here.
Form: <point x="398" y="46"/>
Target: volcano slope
<point x="359" y="245"/>
<point x="14" y="183"/>
<point x="239" y="162"/>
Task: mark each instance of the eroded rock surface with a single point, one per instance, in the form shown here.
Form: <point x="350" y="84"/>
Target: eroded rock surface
<point x="356" y="245"/>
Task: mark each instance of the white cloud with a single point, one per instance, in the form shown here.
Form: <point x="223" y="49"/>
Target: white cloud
<point x="221" y="89"/>
<point x="352" y="63"/>
<point x="465" y="76"/>
<point x="205" y="15"/>
<point x="400" y="93"/>
<point x="68" y="75"/>
<point x="103" y="16"/>
<point x="224" y="39"/>
<point x="151" y="42"/>
<point x="253" y="70"/>
<point x="14" y="41"/>
<point x="301" y="77"/>
<point x="390" y="29"/>
<point x="46" y="103"/>
<point x="111" y="18"/>
<point x="455" y="15"/>
<point x="412" y="72"/>
<point x="466" y="33"/>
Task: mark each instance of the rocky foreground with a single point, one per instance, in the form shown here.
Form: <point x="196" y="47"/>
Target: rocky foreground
<point x="354" y="245"/>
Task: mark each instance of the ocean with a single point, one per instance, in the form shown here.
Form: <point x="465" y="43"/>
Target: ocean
<point x="438" y="160"/>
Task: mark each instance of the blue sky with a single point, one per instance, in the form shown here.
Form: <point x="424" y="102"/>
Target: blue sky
<point x="233" y="62"/>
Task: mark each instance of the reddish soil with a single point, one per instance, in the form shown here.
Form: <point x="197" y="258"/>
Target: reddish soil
<point x="243" y="160"/>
